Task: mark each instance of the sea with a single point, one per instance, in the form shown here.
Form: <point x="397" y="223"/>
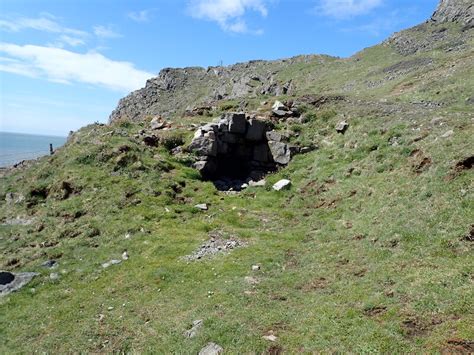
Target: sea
<point x="15" y="147"/>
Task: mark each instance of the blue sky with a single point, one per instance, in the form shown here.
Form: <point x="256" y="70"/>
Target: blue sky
<point x="64" y="64"/>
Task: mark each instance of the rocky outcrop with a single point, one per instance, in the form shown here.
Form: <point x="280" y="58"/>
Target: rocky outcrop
<point x="174" y="90"/>
<point x="238" y="146"/>
<point x="461" y="11"/>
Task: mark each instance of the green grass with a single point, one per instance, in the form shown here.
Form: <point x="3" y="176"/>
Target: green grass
<point x="362" y="254"/>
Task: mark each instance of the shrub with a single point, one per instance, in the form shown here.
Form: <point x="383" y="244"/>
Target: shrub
<point x="172" y="140"/>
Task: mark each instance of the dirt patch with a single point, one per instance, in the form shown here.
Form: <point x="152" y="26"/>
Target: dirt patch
<point x="315" y="284"/>
<point x="375" y="311"/>
<point x="420" y="162"/>
<point x="469" y="237"/>
<point x="328" y="204"/>
<point x="465" y="164"/>
<point x="413" y="327"/>
<point x="291" y="259"/>
<point x="360" y="273"/>
<point x="275" y="350"/>
<point x="462" y="165"/>
<point x="320" y="100"/>
<point x="218" y="243"/>
<point x="461" y="345"/>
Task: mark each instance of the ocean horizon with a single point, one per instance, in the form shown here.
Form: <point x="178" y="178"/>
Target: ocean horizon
<point x="16" y="147"/>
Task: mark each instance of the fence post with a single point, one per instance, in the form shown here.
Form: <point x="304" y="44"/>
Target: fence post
<point x="50" y="148"/>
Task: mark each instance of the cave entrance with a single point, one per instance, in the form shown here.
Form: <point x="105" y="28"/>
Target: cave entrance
<point x="236" y="150"/>
<point x="240" y="164"/>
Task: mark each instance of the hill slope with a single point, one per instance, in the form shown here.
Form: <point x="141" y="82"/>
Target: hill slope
<point x="371" y="249"/>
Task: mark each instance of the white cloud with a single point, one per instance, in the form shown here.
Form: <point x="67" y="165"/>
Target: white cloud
<point x="63" y="66"/>
<point x="45" y="23"/>
<point x="346" y="8"/>
<point x="106" y="32"/>
<point x="72" y="41"/>
<point x="140" y="16"/>
<point x="227" y="13"/>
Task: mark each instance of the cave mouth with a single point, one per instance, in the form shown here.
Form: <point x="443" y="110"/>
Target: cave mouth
<point x="6" y="277"/>
<point x="234" y="173"/>
<point x="236" y="150"/>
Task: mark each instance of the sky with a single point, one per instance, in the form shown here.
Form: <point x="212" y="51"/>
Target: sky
<point x="65" y="64"/>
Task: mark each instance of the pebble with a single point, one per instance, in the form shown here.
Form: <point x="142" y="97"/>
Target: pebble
<point x="202" y="206"/>
<point x="255" y="267"/>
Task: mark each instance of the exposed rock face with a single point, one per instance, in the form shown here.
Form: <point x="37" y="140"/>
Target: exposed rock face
<point x="174" y="89"/>
<point x="239" y="147"/>
<point x="11" y="282"/>
<point x="461" y="11"/>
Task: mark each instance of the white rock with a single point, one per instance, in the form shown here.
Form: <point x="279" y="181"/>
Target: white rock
<point x="110" y="263"/>
<point x="202" y="206"/>
<point x="54" y="276"/>
<point x="191" y="333"/>
<point x="282" y="185"/>
<point x="211" y="349"/>
<point x="448" y="134"/>
<point x="260" y="183"/>
<point x="125" y="255"/>
<point x="270" y="337"/>
<point x="255" y="267"/>
<point x="278" y="106"/>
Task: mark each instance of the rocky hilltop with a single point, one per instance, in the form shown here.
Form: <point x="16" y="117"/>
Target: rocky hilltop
<point x="461" y="11"/>
<point x="177" y="91"/>
<point x="174" y="90"/>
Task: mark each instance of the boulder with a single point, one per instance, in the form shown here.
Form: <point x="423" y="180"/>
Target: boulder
<point x="211" y="349"/>
<point x="278" y="105"/>
<point x="255" y="130"/>
<point x="157" y="123"/>
<point x="201" y="206"/>
<point x="209" y="127"/>
<point x="204" y="145"/>
<point x="260" y="183"/>
<point x="191" y="333"/>
<point x="281" y="113"/>
<point x="280" y="152"/>
<point x="342" y="127"/>
<point x="277" y="136"/>
<point x="283" y="184"/>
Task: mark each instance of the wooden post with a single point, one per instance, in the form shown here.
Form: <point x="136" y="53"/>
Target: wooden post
<point x="50" y="148"/>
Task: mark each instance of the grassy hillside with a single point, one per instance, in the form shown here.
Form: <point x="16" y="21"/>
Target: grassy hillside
<point x="371" y="250"/>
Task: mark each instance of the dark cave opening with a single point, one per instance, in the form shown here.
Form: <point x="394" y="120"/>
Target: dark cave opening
<point x="6" y="277"/>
